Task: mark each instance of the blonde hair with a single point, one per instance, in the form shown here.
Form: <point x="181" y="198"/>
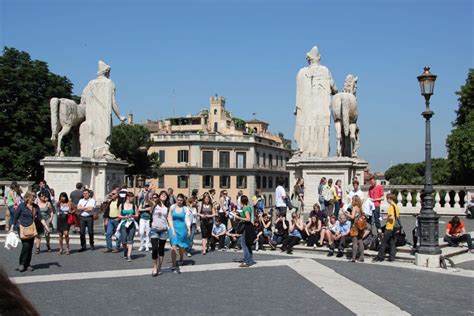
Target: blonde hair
<point x="356" y="201"/>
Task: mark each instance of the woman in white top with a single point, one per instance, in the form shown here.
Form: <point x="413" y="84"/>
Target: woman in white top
<point x="192" y="201"/>
<point x="159" y="230"/>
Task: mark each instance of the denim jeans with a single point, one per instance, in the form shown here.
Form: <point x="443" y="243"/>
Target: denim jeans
<point x="111" y="227"/>
<point x="376" y="217"/>
<point x="191" y="237"/>
<point x="248" y="259"/>
<point x="321" y="203"/>
<point x="12" y="214"/>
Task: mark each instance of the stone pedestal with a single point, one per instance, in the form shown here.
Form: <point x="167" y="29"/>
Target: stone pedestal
<point x="313" y="169"/>
<point x="99" y="175"/>
<point x="427" y="261"/>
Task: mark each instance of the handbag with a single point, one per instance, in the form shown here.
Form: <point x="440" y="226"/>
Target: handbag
<point x="400" y="238"/>
<point x="354" y="232"/>
<point x="70" y="219"/>
<point x="95" y="215"/>
<point x="361" y="223"/>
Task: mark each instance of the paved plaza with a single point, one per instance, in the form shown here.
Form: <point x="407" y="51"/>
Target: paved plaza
<point x="93" y="283"/>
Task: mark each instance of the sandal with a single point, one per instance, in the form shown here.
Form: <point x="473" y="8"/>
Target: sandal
<point x="67" y="252"/>
<point x="60" y="252"/>
<point x="37" y="251"/>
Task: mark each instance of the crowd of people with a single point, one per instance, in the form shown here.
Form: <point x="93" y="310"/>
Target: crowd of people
<point x="340" y="220"/>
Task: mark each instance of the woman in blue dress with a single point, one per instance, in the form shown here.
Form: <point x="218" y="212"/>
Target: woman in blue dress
<point x="179" y="231"/>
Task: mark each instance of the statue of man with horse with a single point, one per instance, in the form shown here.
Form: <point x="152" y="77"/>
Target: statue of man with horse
<point x="90" y="121"/>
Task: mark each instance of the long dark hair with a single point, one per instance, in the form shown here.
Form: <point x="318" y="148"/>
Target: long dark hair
<point x="63" y="194"/>
<point x="166" y="203"/>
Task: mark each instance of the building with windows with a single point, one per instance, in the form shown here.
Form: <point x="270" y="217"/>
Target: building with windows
<point x="212" y="149"/>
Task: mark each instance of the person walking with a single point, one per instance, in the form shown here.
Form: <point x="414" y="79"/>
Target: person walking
<point x="207" y="214"/>
<point x="86" y="207"/>
<point x="248" y="232"/>
<point x="25" y="217"/>
<point x="359" y="224"/>
<point x="159" y="230"/>
<point x="12" y="200"/>
<point x="180" y="229"/>
<point x="390" y="230"/>
<point x="46" y="210"/>
<point x="194" y="213"/>
<point x="65" y="211"/>
<point x="112" y="218"/>
<point x="144" y="211"/>
<point x="298" y="195"/>
<point x="128" y="225"/>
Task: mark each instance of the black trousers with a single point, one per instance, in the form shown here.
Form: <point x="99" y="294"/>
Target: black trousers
<point x="89" y="223"/>
<point x="388" y="241"/>
<point x="26" y="252"/>
<point x="290" y="242"/>
<point x="219" y="240"/>
<point x="157" y="247"/>
<point x="454" y="241"/>
<point x="312" y="240"/>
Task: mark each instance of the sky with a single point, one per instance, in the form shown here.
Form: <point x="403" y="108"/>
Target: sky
<point x="169" y="57"/>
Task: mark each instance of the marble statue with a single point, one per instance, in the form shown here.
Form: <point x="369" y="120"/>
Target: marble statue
<point x="99" y="99"/>
<point x="314" y="88"/>
<point x="344" y="112"/>
<point x="66" y="116"/>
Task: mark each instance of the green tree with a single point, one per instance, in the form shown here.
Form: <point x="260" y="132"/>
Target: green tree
<point x="131" y="143"/>
<point x="26" y="87"/>
<point x="414" y="173"/>
<point x="460" y="142"/>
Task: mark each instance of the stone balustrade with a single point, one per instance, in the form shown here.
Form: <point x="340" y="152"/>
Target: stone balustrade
<point x="449" y="200"/>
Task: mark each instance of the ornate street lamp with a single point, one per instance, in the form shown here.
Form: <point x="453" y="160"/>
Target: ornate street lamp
<point x="428" y="219"/>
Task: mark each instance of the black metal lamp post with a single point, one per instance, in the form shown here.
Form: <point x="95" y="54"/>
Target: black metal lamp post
<point x="428" y="219"/>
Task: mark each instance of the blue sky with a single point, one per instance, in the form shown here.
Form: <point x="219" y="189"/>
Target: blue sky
<point x="169" y="57"/>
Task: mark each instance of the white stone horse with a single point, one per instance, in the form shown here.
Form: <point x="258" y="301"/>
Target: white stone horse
<point x="66" y="115"/>
<point x="344" y="113"/>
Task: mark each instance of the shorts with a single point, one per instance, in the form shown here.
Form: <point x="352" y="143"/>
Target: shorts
<point x="160" y="234"/>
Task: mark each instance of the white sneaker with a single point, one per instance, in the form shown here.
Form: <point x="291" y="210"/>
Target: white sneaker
<point x="147" y="249"/>
<point x="188" y="254"/>
<point x="141" y="249"/>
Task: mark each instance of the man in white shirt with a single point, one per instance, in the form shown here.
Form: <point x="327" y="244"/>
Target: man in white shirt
<point x="355" y="191"/>
<point x="85" y="208"/>
<point x="280" y="196"/>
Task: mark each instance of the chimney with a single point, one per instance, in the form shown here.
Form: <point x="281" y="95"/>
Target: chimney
<point x="130" y="119"/>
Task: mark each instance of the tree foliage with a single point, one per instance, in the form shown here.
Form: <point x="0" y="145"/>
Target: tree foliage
<point x="414" y="173"/>
<point x="131" y="143"/>
<point x="460" y="142"/>
<point x="26" y="87"/>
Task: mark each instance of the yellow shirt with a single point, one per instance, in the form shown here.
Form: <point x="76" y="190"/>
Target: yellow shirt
<point x="114" y="210"/>
<point x="391" y="213"/>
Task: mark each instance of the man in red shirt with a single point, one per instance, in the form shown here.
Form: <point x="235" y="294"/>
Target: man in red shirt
<point x="376" y="195"/>
<point x="456" y="233"/>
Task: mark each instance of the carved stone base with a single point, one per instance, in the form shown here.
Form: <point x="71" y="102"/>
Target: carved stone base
<point x="313" y="169"/>
<point x="99" y="175"/>
<point x="427" y="261"/>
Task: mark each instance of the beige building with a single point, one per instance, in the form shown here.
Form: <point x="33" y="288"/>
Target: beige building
<point x="212" y="149"/>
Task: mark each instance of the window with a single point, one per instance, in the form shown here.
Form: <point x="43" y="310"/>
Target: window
<point x="215" y="111"/>
<point x="241" y="182"/>
<point x="287" y="183"/>
<point x="265" y="200"/>
<point x="208" y="182"/>
<point x="281" y="161"/>
<point x="224" y="182"/>
<point x="264" y="158"/>
<point x="264" y="182"/>
<point x="215" y="127"/>
<point x="258" y="180"/>
<point x="207" y="159"/>
<point x="270" y="160"/>
<point x="182" y="156"/>
<point x="161" y="181"/>
<point x="258" y="159"/>
<point x="270" y="200"/>
<point x="224" y="159"/>
<point x="241" y="159"/>
<point x="161" y="156"/>
<point x="182" y="182"/>
<point x="270" y="182"/>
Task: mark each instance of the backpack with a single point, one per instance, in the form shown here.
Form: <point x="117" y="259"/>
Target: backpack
<point x="260" y="205"/>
